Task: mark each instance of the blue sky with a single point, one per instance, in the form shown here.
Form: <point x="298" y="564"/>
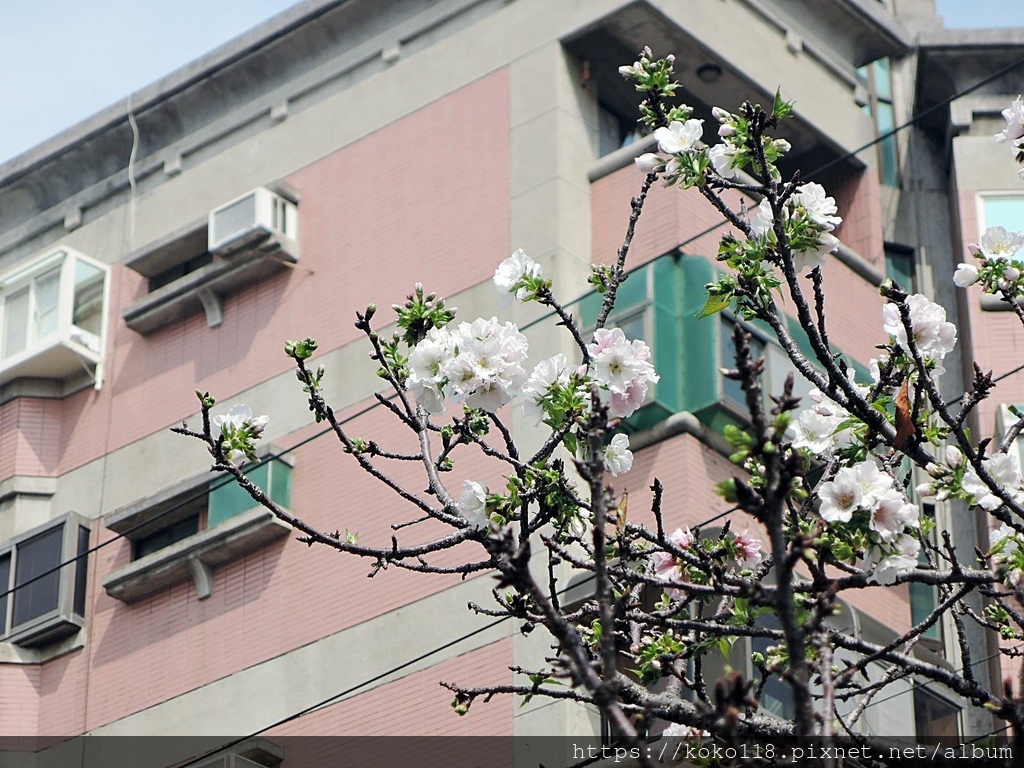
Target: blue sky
<point x="64" y="60"/>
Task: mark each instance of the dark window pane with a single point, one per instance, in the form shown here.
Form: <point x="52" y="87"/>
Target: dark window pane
<point x="934" y="717"/>
<point x="37" y="596"/>
<point x="5" y="584"/>
<point x="172" y="534"/>
<point x="81" y="570"/>
<point x="899" y="266"/>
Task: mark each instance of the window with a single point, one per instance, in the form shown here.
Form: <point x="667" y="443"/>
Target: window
<point x="203" y="508"/>
<point x="660" y="303"/>
<point x="185" y="531"/>
<point x="777" y="367"/>
<point x="1001" y="211"/>
<point x="900" y="266"/>
<point x="53" y="318"/>
<point x="878" y="79"/>
<point x="935" y="717"/>
<point x="48" y="601"/>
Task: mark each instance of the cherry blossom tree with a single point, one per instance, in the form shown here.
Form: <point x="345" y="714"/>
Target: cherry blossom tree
<point x="822" y="494"/>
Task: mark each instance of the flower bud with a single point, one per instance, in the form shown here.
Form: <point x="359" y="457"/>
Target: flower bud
<point x="1011" y="273"/>
<point x="965" y="275"/>
<point x="648" y="163"/>
<point x="720" y="114"/>
<point x="725" y="130"/>
<point x="954" y="456"/>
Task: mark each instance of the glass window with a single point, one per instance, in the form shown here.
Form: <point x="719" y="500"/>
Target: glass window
<point x="5" y="580"/>
<point x="777" y="367"/>
<point x="877" y="77"/>
<point x="924" y="597"/>
<point x="900" y="266"/>
<point x="165" y="537"/>
<point x="37" y="582"/>
<point x="47" y="293"/>
<point x="47" y="583"/>
<point x="935" y="717"/>
<point x="53" y="302"/>
<point x="1004" y="211"/>
<point x="15" y="322"/>
<point x="223" y="501"/>
<point x="777" y="696"/>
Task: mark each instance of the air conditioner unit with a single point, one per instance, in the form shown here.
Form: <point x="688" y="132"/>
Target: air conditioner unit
<point x="253" y="216"/>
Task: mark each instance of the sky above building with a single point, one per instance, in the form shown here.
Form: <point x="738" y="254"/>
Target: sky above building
<point x="64" y="60"/>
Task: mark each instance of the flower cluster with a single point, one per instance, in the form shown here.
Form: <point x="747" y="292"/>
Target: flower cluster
<point x="998" y="270"/>
<point x="472" y="504"/>
<point x="822" y="428"/>
<point x="734" y="153"/>
<point x="743" y="549"/>
<point x="863" y="501"/>
<point x="1014" y="131"/>
<point x="957" y="478"/>
<point x="479" y="364"/>
<point x="239" y="430"/>
<point x="933" y="335"/>
<point x="810" y="218"/>
<point x="1007" y="555"/>
<point x="623" y="368"/>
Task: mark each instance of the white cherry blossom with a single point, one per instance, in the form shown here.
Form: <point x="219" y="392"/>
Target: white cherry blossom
<point x="820" y="208"/>
<point x="509" y="275"/>
<point x="617" y="456"/>
<point x="472" y="504"/>
<point x="840" y="497"/>
<point x="723" y="157"/>
<point x="623" y="368"/>
<point x="997" y="243"/>
<point x="934" y="336"/>
<point x="679" y="137"/>
<point x="1014" y="130"/>
<point x="965" y="275"/>
<point x="649" y="163"/>
<point x="546" y="374"/>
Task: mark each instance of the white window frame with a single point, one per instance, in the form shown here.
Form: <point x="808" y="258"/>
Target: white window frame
<point x="67" y="349"/>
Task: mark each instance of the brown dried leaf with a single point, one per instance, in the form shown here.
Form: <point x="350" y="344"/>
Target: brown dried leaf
<point x="904" y="422"/>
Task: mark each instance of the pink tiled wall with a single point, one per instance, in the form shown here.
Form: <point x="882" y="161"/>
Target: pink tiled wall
<point x="997" y="338"/>
<point x="374" y="217"/>
<point x="30" y="436"/>
<point x="859" y="203"/>
<point x="673" y="216"/>
<point x="19" y="699"/>
<point x="266" y="603"/>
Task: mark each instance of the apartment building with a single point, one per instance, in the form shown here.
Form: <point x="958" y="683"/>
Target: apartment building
<point x="333" y="157"/>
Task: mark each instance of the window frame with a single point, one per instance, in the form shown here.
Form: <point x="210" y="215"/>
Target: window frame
<point x="195" y="555"/>
<point x="40" y="355"/>
<point x="68" y="615"/>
